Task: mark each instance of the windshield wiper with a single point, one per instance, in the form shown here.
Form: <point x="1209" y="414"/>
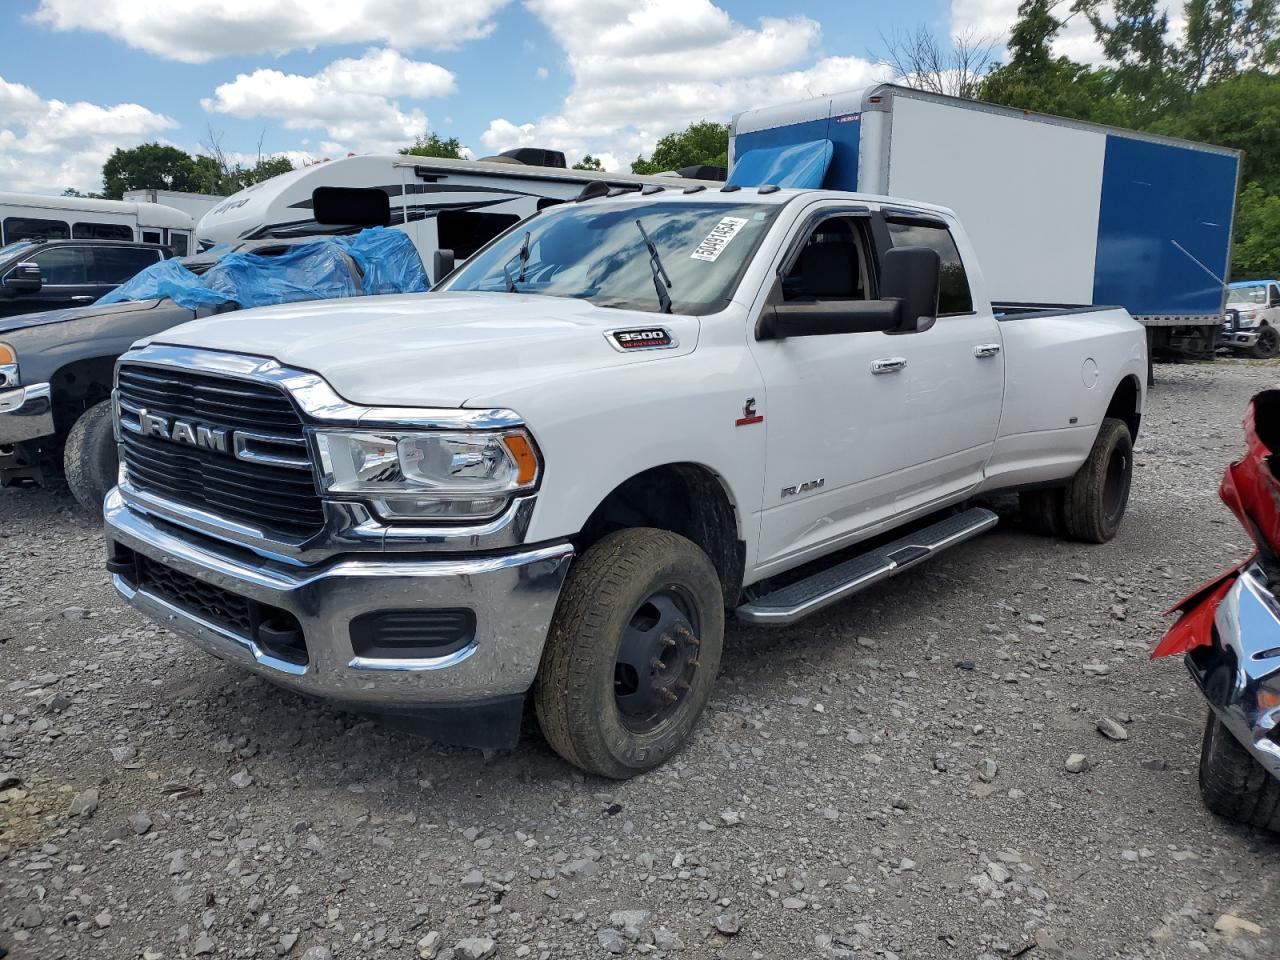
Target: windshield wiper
<point x="524" y="256"/>
<point x="659" y="274"/>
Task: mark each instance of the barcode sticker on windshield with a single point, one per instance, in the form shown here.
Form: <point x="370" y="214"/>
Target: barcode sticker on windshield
<point x="719" y="237"/>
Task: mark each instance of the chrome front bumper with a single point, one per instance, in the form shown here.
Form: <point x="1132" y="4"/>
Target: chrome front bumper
<point x="512" y="595"/>
<point x="26" y="413"/>
<point x="1238" y="338"/>
<point x="1244" y="664"/>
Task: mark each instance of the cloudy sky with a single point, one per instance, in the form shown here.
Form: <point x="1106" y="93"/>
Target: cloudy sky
<point x="315" y="78"/>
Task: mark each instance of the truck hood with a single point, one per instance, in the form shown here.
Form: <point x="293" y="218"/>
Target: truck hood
<point x="24" y="320"/>
<point x="435" y="349"/>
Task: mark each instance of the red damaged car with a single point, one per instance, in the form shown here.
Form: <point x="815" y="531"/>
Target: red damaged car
<point x="1230" y="633"/>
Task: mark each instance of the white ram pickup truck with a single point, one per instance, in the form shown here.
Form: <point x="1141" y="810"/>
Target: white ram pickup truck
<point x="553" y="477"/>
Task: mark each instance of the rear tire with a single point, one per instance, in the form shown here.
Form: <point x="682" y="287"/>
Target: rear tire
<point x="632" y="654"/>
<point x="1043" y="511"/>
<point x="90" y="458"/>
<point x="1232" y="783"/>
<point x="1267" y="346"/>
<point x="1097" y="495"/>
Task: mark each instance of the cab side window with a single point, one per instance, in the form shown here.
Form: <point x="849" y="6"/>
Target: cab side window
<point x="954" y="296"/>
<point x="831" y="265"/>
<point x="1273" y="295"/>
<point x="118" y="264"/>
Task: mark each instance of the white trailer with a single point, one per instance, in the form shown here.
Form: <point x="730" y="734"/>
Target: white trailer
<point x="1075" y="213"/>
<point x="25" y="216"/>
<point x="458" y="205"/>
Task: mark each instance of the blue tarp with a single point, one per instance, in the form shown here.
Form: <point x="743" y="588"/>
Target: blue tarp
<point x="317" y="270"/>
<point x="795" y="165"/>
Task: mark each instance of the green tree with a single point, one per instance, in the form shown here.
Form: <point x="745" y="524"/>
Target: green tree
<point x="73" y="192"/>
<point x="265" y="169"/>
<point x="701" y="142"/>
<point x="1222" y="36"/>
<point x="148" y="166"/>
<point x="1241" y="112"/>
<point x="1034" y="79"/>
<point x="433" y="145"/>
<point x="1134" y="39"/>
<point x="589" y="163"/>
<point x="1256" y="251"/>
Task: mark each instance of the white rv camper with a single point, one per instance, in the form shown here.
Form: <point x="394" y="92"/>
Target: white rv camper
<point x="457" y="205"/>
<point x="25" y="216"/>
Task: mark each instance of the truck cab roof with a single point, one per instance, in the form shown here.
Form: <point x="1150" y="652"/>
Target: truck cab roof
<point x="767" y="194"/>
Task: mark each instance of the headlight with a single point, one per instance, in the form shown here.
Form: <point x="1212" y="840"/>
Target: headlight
<point x="444" y="476"/>
<point x="8" y="367"/>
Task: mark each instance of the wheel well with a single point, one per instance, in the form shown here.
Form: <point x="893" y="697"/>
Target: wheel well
<point x="1124" y="404"/>
<point x="78" y="386"/>
<point x="686" y="499"/>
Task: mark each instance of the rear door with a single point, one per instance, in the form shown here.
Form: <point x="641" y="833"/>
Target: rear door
<point x="112" y="266"/>
<point x="955" y="375"/>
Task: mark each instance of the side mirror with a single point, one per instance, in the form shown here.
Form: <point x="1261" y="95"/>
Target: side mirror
<point x="441" y="265"/>
<point x="24" y="278"/>
<point x="912" y="276"/>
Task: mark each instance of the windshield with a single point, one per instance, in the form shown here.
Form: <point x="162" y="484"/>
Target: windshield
<point x="597" y="252"/>
<point x="1256" y="294"/>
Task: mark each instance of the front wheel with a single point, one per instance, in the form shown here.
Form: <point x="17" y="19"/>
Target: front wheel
<point x="1232" y="783"/>
<point x="1097" y="495"/>
<point x="90" y="458"/>
<point x="1267" y="346"/>
<point x="632" y="653"/>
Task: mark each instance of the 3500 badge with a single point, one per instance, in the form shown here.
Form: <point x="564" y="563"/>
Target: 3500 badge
<point x="641" y="338"/>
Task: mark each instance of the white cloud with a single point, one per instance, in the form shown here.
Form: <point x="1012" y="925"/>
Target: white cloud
<point x="46" y="145"/>
<point x="349" y="99"/>
<point x="196" y="31"/>
<point x="642" y="68"/>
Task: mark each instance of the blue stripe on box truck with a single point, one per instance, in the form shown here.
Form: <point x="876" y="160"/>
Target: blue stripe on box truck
<point x="1164" y="228"/>
<point x="843" y="131"/>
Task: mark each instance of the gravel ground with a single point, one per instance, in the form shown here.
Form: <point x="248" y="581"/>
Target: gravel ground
<point x="888" y="779"/>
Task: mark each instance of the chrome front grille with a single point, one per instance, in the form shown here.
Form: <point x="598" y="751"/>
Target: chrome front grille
<point x="233" y="448"/>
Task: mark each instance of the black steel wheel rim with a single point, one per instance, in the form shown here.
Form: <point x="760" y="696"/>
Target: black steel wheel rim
<point x="657" y="660"/>
<point x="1115" y="486"/>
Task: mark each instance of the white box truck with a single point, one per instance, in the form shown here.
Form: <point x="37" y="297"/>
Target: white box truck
<point x="1075" y="213"/>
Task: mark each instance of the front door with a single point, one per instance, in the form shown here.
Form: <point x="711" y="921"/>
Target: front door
<point x="65" y="277"/>
<point x="836" y="407"/>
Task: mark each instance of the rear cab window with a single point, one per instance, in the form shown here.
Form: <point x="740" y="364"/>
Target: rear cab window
<point x="954" y="295"/>
<point x="115" y="265"/>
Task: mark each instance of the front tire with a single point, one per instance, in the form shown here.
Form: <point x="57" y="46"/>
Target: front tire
<point x="1267" y="346"/>
<point x="1097" y="495"/>
<point x="632" y="654"/>
<point x="1232" y="783"/>
<point x="90" y="458"/>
